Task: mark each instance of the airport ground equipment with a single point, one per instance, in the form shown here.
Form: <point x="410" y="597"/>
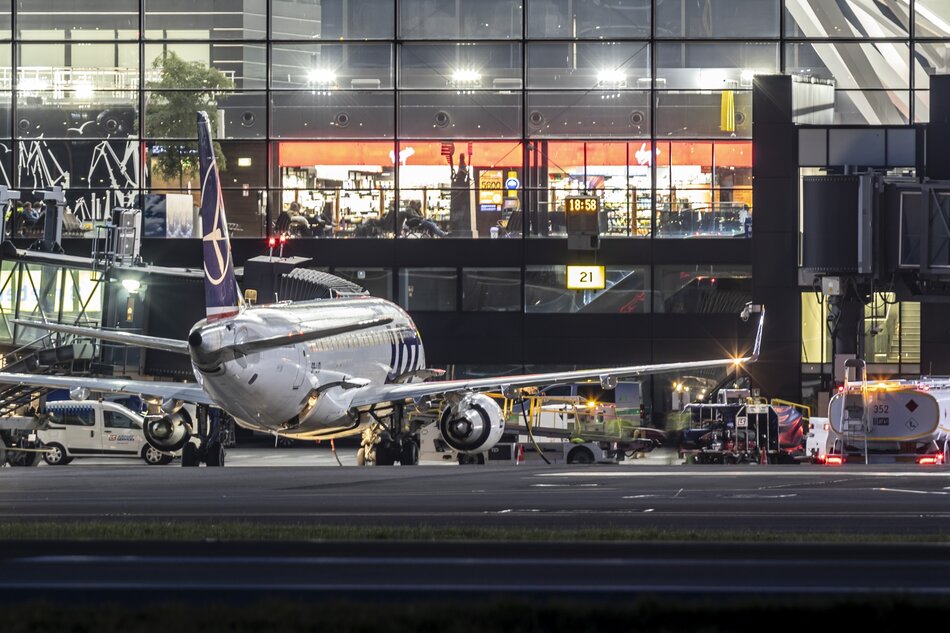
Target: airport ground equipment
<point x="890" y="421"/>
<point x="554" y="429"/>
<point x="19" y="444"/>
<point x="744" y="429"/>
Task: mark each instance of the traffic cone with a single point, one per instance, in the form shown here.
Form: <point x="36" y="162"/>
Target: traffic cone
<point x="520" y="454"/>
<point x="763" y="457"/>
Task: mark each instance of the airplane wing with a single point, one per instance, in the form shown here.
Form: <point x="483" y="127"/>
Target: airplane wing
<point x="186" y="391"/>
<point x="371" y="394"/>
<point x="112" y="336"/>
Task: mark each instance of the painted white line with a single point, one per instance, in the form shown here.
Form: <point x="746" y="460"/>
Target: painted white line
<point x="733" y="473"/>
<point x="640" y="496"/>
<point x="913" y="492"/>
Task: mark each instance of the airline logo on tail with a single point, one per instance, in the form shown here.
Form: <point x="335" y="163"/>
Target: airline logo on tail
<point x="221" y="290"/>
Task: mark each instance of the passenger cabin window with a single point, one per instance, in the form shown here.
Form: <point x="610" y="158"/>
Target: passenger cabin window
<point x="115" y="420"/>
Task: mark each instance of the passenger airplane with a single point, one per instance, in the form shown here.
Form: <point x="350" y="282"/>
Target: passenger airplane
<point x="311" y="370"/>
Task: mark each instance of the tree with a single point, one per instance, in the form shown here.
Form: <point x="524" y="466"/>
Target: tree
<point x="172" y="110"/>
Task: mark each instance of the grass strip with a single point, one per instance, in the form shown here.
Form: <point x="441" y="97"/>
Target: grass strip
<point x="121" y="530"/>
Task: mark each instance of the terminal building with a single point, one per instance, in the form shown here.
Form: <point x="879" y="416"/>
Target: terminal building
<point x="427" y="149"/>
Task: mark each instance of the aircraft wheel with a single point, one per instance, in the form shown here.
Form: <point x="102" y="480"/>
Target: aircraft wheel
<point x="580" y="455"/>
<point x="385" y="456"/>
<point x="215" y="454"/>
<point x="55" y="455"/>
<point x="189" y="455"/>
<point x="409" y="456"/>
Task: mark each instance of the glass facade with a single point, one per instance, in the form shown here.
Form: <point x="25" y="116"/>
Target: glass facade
<point x="425" y="118"/>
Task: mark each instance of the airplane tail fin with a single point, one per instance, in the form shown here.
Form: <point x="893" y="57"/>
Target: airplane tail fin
<point x="222" y="298"/>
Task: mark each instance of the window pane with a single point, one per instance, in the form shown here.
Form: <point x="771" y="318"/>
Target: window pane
<point x="622" y="113"/>
<point x="588" y="20"/>
<point x="332" y="19"/>
<point x="428" y="289"/>
<point x="78" y="68"/>
<point x="588" y="65"/>
<point x="467" y="19"/>
<point x="469" y="202"/>
<point x="932" y="19"/>
<point x="703" y="289"/>
<point x="863" y="19"/>
<point x="75" y="19"/>
<point x="5" y="19"/>
<point x="170" y="115"/>
<point x="333" y="114"/>
<point x="871" y="107"/>
<point x="351" y="185"/>
<point x="491" y="289"/>
<point x="81" y="164"/>
<point x="205" y="19"/>
<point x="205" y="64"/>
<point x="712" y="114"/>
<point x="931" y="58"/>
<point x="460" y="66"/>
<point x="327" y="67"/>
<point x="717" y="18"/>
<point x="451" y="115"/>
<point x="816" y="341"/>
<point x="627" y="292"/>
<point x="79" y="113"/>
<point x="852" y="65"/>
<point x="378" y="281"/>
<point x="713" y="65"/>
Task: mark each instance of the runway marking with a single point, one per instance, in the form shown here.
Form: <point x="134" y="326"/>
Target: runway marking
<point x="754" y="496"/>
<point x="640" y="496"/>
<point x="915" y="492"/>
<point x="678" y="493"/>
<point x="565" y="485"/>
<point x="733" y="473"/>
<point x="649" y="510"/>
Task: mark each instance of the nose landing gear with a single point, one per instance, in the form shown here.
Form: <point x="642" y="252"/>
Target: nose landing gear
<point x="389" y="440"/>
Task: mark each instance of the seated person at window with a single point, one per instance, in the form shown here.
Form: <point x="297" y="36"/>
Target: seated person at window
<point x="413" y="218"/>
<point x="322" y="225"/>
<point x="298" y="222"/>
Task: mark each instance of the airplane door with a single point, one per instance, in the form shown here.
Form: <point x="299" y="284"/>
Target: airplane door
<point x="303" y="364"/>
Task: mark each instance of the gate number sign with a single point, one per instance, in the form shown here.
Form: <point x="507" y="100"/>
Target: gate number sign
<point x="586" y="278"/>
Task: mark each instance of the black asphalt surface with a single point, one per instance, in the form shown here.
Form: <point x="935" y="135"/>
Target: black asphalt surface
<point x="854" y="499"/>
<point x="873" y="500"/>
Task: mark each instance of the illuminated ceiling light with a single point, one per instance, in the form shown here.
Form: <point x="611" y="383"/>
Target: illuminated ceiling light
<point x="244" y="161"/>
<point x="466" y="76"/>
<point x="131" y="285"/>
<point x="612" y="77"/>
<point x="83" y="90"/>
<point x="321" y="77"/>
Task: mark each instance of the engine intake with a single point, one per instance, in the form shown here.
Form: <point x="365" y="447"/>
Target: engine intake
<point x="473" y="425"/>
<point x="168" y="433"/>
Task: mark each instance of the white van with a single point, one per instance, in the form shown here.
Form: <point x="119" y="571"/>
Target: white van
<point x="90" y="428"/>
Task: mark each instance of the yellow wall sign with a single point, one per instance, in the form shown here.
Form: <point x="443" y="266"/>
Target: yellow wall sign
<point x="586" y="278"/>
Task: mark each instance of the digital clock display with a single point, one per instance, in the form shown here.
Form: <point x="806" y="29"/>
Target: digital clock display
<point x="585" y="204"/>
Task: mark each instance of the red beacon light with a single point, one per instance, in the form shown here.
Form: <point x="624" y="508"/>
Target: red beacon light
<point x="283" y="238"/>
<point x="271" y="242"/>
<point x="834" y="460"/>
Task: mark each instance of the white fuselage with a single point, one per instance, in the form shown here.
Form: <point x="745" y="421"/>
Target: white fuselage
<point x="305" y="389"/>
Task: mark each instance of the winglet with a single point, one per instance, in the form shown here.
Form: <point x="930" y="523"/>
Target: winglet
<point x="222" y="298"/>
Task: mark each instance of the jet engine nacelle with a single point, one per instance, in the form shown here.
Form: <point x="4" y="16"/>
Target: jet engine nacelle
<point x="168" y="433"/>
<point x="473" y="425"/>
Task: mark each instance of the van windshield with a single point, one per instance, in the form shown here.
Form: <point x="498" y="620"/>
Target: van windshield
<point x="116" y="420"/>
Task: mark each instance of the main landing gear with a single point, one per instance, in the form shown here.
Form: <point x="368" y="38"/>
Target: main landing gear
<point x="389" y="440"/>
<point x="205" y="445"/>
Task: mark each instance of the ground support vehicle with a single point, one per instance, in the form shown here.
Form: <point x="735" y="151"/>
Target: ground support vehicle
<point x="892" y="421"/>
<point x="19" y="444"/>
<point x="98" y="428"/>
<point x="745" y="430"/>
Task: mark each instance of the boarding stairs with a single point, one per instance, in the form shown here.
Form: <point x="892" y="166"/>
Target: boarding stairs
<point x="49" y="360"/>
